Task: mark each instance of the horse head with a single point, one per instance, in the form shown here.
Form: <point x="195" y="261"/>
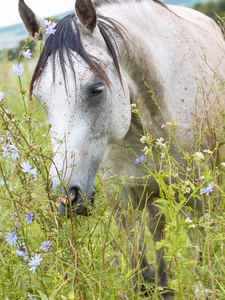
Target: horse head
<point x="86" y="98"/>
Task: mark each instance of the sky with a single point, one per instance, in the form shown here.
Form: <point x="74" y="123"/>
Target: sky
<point x="9" y="14"/>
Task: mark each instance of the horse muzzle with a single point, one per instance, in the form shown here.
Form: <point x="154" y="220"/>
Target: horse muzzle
<point x="74" y="202"/>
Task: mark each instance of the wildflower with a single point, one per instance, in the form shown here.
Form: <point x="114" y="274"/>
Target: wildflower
<point x="21" y="253"/>
<point x="191" y="226"/>
<point x="11" y="238"/>
<point x="143" y="139"/>
<point x="163" y="155"/>
<point x="187" y="190"/>
<point x="207" y="190"/>
<point x="14" y="154"/>
<point x="146" y="150"/>
<point x="26" y="168"/>
<point x="133" y="106"/>
<point x="35" y="262"/>
<point x="27" y="53"/>
<point x="1" y="96"/>
<point x="171" y="123"/>
<point x="2" y="182"/>
<point x="188" y="220"/>
<point x="198" y="156"/>
<point x="17" y="69"/>
<point x="50" y="27"/>
<point x="29" y="217"/>
<point x="139" y="160"/>
<point x="223" y="164"/>
<point x="190" y="223"/>
<point x="5" y="151"/>
<point x="33" y="171"/>
<point x="160" y="143"/>
<point x="46" y="245"/>
<point x="207" y="151"/>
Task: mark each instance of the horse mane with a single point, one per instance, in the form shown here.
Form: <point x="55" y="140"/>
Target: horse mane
<point x="67" y="39"/>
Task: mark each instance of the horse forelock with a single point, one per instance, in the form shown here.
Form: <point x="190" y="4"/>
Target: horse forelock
<point x="67" y="39"/>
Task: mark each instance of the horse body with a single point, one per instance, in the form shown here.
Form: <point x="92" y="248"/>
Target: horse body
<point x="175" y="59"/>
<point x="175" y="50"/>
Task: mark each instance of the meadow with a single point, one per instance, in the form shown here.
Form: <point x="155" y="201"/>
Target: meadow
<point x="44" y="256"/>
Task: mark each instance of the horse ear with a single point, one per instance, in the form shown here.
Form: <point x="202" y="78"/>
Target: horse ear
<point x="32" y="22"/>
<point x="86" y="13"/>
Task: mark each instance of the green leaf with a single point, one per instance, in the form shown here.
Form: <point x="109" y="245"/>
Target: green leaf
<point x="189" y="208"/>
<point x="161" y="244"/>
<point x="192" y="262"/>
<point x="43" y="296"/>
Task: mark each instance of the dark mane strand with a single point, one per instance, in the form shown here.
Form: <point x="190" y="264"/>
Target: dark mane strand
<point x="67" y="39"/>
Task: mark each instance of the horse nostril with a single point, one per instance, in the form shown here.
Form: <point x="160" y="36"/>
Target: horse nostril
<point x="74" y="195"/>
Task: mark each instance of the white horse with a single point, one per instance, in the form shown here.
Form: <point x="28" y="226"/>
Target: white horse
<point x="91" y="70"/>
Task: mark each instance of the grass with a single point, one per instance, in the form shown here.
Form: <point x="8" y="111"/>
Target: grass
<point x="88" y="257"/>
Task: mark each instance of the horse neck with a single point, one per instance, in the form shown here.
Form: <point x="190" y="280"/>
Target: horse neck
<point x="143" y="63"/>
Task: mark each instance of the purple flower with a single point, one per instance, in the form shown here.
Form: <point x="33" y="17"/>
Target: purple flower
<point x="49" y="27"/>
<point x="46" y="245"/>
<point x="26" y="168"/>
<point x="5" y="151"/>
<point x="21" y="253"/>
<point x="2" y="182"/>
<point x="29" y="217"/>
<point x="1" y="96"/>
<point x="141" y="159"/>
<point x="27" y="53"/>
<point x="207" y="190"/>
<point x="11" y="238"/>
<point x="34" y="262"/>
<point x="33" y="171"/>
<point x="50" y="30"/>
<point x="17" y="69"/>
<point x="14" y="153"/>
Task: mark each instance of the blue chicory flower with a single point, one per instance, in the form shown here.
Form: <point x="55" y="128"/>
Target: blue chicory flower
<point x="1" y="96"/>
<point x="207" y="190"/>
<point x="11" y="238"/>
<point x="50" y="30"/>
<point x="17" y="69"/>
<point x="141" y="159"/>
<point x="46" y="245"/>
<point x="14" y="153"/>
<point x="27" y="53"/>
<point x="29" y="217"/>
<point x="35" y="262"/>
<point x="49" y="27"/>
<point x="5" y="151"/>
<point x="26" y="168"/>
<point x="21" y="254"/>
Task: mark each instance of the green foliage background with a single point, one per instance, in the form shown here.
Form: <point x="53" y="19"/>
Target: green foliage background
<point x="212" y="8"/>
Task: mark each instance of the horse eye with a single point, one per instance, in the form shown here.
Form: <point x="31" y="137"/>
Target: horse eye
<point x="97" y="90"/>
